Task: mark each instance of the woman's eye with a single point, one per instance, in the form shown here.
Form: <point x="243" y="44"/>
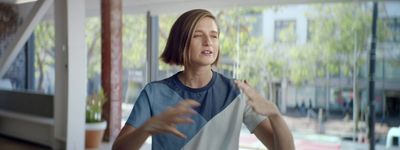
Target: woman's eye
<point x="214" y="36"/>
<point x="197" y="35"/>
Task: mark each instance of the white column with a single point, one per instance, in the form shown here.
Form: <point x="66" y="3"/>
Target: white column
<point x="284" y="95"/>
<point x="301" y="29"/>
<point x="152" y="48"/>
<point x="71" y="78"/>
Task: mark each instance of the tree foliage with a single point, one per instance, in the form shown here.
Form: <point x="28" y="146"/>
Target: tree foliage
<point x="134" y="41"/>
<point x="243" y="52"/>
<point x="339" y="35"/>
<point x="165" y="25"/>
<point x="93" y="43"/>
<point x="44" y="52"/>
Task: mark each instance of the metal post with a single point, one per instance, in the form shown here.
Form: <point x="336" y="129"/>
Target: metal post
<point x="30" y="61"/>
<point x="152" y="47"/>
<point x="371" y="115"/>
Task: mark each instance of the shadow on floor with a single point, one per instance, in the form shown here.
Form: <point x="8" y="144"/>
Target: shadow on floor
<point x="7" y="142"/>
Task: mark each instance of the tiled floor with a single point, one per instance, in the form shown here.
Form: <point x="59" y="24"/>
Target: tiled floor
<point x="8" y="143"/>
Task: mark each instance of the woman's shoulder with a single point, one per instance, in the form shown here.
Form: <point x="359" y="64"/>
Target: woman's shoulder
<point x="158" y="84"/>
<point x="227" y="81"/>
<point x="224" y="77"/>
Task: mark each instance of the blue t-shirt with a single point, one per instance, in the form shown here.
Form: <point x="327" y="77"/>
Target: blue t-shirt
<point x="218" y="120"/>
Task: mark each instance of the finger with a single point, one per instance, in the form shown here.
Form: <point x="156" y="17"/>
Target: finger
<point x="189" y="103"/>
<point x="242" y="85"/>
<point x="186" y="107"/>
<point x="249" y="99"/>
<point x="175" y="131"/>
<point x="245" y="88"/>
<point x="180" y="110"/>
<point x="169" y="112"/>
<point x="251" y="103"/>
<point x="238" y="83"/>
<point x="182" y="120"/>
<point x="253" y="107"/>
<point x="169" y="109"/>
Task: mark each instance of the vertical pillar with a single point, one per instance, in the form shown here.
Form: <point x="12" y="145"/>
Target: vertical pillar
<point x="30" y="61"/>
<point x="71" y="78"/>
<point x="111" y="65"/>
<point x="371" y="80"/>
<point x="152" y="47"/>
<point x="284" y="95"/>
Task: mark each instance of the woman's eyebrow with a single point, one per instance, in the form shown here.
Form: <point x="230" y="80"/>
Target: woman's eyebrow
<point x="201" y="31"/>
<point x="214" y="31"/>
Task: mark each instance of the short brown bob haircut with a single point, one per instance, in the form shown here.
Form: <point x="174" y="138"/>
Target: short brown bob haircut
<point x="176" y="50"/>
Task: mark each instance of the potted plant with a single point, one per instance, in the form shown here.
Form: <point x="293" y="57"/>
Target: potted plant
<point x="95" y="126"/>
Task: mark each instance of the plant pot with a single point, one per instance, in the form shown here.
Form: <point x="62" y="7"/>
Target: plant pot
<point x="94" y="134"/>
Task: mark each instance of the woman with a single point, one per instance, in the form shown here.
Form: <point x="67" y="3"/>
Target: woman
<point x="198" y="108"/>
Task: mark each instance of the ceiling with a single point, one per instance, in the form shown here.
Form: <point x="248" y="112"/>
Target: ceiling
<point x="180" y="6"/>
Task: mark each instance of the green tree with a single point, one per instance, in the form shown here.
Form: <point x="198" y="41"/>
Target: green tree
<point x="243" y="52"/>
<point x="134" y="51"/>
<point x="165" y="24"/>
<point x="44" y="51"/>
<point x="93" y="43"/>
<point x="134" y="41"/>
<point x="339" y="35"/>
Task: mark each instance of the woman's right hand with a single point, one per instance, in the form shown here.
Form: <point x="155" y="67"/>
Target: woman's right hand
<point x="257" y="101"/>
<point x="166" y="121"/>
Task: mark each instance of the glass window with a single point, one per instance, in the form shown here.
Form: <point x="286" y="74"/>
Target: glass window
<point x="33" y="67"/>
<point x="165" y="24"/>
<point x="93" y="44"/>
<point x="285" y="31"/>
<point x="393" y="23"/>
<point x="316" y="74"/>
<point x="310" y="27"/>
<point x="134" y="59"/>
<point x="44" y="57"/>
<point x="133" y="62"/>
<point x="392" y="69"/>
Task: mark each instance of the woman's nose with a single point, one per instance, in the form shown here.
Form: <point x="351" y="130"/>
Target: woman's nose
<point x="207" y="41"/>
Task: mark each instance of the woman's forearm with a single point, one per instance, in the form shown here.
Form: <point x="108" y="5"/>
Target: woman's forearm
<point x="131" y="141"/>
<point x="283" y="136"/>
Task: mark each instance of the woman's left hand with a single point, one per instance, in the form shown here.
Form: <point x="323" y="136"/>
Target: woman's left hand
<point x="257" y="101"/>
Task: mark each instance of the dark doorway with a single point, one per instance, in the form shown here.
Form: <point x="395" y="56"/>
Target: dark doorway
<point x="393" y="107"/>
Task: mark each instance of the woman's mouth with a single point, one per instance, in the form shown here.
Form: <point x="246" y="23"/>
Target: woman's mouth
<point x="206" y="52"/>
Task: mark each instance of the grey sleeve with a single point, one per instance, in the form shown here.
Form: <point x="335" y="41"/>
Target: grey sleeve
<point x="141" y="111"/>
<point x="250" y="118"/>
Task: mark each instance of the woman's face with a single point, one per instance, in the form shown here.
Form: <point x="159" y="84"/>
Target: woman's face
<point x="203" y="48"/>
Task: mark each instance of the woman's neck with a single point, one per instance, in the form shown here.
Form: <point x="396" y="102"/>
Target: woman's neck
<point x="196" y="78"/>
